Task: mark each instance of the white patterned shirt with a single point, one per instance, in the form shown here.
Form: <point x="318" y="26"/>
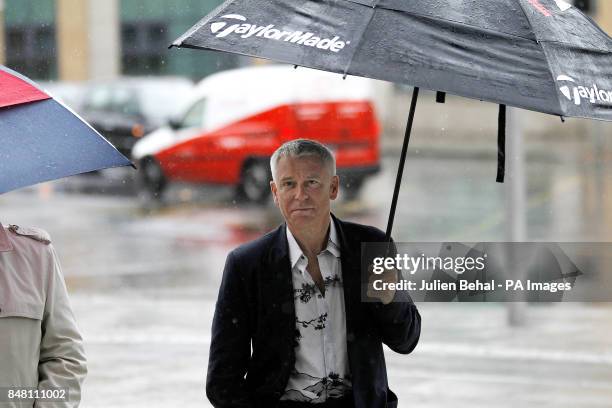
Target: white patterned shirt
<point x="321" y="360"/>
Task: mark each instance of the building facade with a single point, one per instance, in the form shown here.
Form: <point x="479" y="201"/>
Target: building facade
<point x="92" y="39"/>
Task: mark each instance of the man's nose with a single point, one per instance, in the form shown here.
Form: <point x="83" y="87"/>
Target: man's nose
<point x="301" y="193"/>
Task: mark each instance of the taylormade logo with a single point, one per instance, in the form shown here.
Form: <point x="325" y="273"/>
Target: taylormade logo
<point x="579" y="92"/>
<point x="246" y="30"/>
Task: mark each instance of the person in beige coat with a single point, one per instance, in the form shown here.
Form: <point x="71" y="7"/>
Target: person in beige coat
<point x="41" y="349"/>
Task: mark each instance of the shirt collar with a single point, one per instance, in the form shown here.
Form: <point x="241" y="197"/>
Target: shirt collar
<point x="295" y="252"/>
<point x="5" y="242"/>
<point x="333" y="244"/>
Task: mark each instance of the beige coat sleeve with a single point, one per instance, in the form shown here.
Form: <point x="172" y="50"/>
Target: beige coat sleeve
<point x="62" y="362"/>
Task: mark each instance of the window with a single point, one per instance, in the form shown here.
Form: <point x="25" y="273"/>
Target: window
<point x="109" y="98"/>
<point x="125" y="101"/>
<point x="100" y="99"/>
<point x="31" y="50"/>
<point x="195" y="115"/>
<point x="144" y="47"/>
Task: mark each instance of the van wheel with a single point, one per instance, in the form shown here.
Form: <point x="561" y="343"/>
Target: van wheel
<point x="151" y="179"/>
<point x="255" y="182"/>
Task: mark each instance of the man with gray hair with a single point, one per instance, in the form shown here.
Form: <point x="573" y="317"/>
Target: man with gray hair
<point x="304" y="147"/>
<point x="290" y="329"/>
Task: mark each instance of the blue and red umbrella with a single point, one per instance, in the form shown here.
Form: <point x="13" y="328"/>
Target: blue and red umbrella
<point x="42" y="140"/>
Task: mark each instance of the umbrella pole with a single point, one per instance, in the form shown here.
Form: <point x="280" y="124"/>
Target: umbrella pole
<point x="400" y="169"/>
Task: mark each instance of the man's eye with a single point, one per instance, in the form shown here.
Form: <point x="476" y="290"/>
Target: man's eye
<point x="287" y="184"/>
<point x="313" y="182"/>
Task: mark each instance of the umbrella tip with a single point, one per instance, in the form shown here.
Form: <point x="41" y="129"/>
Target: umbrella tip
<point x="562" y="119"/>
<point x="177" y="43"/>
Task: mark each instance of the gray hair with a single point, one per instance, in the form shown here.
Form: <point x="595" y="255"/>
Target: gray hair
<point x="301" y="148"/>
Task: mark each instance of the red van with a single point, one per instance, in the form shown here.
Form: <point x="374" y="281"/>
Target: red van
<point x="236" y="119"/>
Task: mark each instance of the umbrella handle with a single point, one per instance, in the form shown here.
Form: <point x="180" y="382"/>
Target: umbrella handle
<point x="400" y="169"/>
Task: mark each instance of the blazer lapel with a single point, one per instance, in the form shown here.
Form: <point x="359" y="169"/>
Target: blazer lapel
<point x="277" y="287"/>
<point x="351" y="272"/>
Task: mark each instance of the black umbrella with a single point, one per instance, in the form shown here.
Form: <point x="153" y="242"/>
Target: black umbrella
<point x="541" y="55"/>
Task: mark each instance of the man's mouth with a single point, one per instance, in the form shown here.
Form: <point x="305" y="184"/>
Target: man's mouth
<point x="303" y="209"/>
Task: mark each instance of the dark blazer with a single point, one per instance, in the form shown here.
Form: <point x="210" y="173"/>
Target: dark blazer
<point x="255" y="308"/>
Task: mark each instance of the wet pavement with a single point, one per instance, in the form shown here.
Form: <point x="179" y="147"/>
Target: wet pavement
<point x="144" y="282"/>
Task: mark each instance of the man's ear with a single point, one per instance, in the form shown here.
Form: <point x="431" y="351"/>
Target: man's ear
<point x="274" y="192"/>
<point x="333" y="188"/>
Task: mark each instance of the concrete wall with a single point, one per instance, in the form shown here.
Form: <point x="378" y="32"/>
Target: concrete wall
<point x="72" y="45"/>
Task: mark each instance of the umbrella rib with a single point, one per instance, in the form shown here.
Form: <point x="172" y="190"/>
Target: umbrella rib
<point x="435" y="18"/>
<point x="432" y="18"/>
<point x="576" y="47"/>
<point x="179" y="41"/>
<point x="550" y="72"/>
<point x="350" y="62"/>
<point x="567" y="43"/>
<point x="22" y="77"/>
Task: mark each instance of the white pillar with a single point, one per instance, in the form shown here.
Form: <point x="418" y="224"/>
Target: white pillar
<point x="516" y="207"/>
<point x="515" y="178"/>
<point x="104" y="39"/>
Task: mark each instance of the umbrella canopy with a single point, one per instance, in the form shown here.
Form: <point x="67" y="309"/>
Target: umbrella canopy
<point x="42" y="139"/>
<point x="541" y="55"/>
